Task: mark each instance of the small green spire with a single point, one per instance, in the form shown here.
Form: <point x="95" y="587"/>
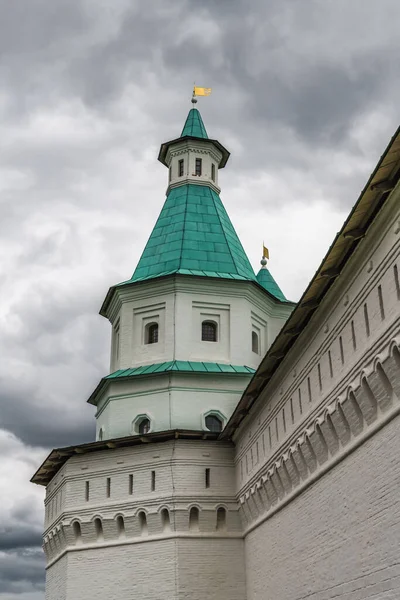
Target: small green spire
<point x="194" y="125"/>
<point x="266" y="280"/>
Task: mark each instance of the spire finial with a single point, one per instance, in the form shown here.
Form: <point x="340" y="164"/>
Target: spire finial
<point x="264" y="257"/>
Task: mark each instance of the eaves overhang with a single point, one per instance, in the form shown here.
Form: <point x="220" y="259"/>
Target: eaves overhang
<point x="381" y="183"/>
<point x="59" y="456"/>
<point x="125" y="284"/>
<point x="164" y="148"/>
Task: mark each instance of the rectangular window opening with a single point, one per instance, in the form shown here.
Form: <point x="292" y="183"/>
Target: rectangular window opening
<point x="291" y="410"/>
<point x="180" y="168"/>
<point x="319" y="377"/>
<point x="330" y="363"/>
<point x="276" y="429"/>
<point x="153" y="481"/>
<point x="257" y="454"/>
<point x="353" y="335"/>
<point x="270" y="438"/>
<point x="213" y="171"/>
<point x="130" y="485"/>
<point x="301" y="402"/>
<point x="309" y="389"/>
<point x="263" y="443"/>
<point x="381" y="306"/>
<point x="341" y="350"/>
<point x="207" y="478"/>
<point x="198" y="166"/>
<point x="396" y="281"/>
<point x="87" y="491"/>
<point x="366" y="318"/>
<point x="284" y="420"/>
<point x="108" y="487"/>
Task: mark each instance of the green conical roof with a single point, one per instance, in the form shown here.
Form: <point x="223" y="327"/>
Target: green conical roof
<point x="194" y="236"/>
<point x="194" y="125"/>
<point x="266" y="280"/>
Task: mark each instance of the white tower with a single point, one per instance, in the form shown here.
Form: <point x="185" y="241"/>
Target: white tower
<point x="148" y="510"/>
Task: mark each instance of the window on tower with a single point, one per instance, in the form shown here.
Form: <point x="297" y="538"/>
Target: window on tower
<point x="214" y="423"/>
<point x="144" y="426"/>
<point x="151" y="333"/>
<point x="209" y="331"/>
<point x="255" y="346"/>
<point x="180" y="168"/>
<point x="213" y="171"/>
<point x="198" y="166"/>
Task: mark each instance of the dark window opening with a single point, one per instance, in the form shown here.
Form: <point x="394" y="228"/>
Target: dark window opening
<point x="254" y="342"/>
<point x="87" y="491"/>
<point x="153" y="481"/>
<point x="130" y="485"/>
<point x="108" y="492"/>
<point x="213" y="171"/>
<point x="180" y="168"/>
<point x="381" y="305"/>
<point x="207" y="478"/>
<point x="213" y="423"/>
<point x="144" y="426"/>
<point x="221" y="519"/>
<point x="194" y="519"/>
<point x="198" y="166"/>
<point x="366" y="318"/>
<point x="209" y="331"/>
<point x="151" y="333"/>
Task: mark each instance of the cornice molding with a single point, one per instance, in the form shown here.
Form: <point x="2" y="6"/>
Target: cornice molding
<point x="342" y="426"/>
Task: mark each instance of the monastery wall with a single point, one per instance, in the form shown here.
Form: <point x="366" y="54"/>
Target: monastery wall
<point x="145" y="513"/>
<point x="316" y="470"/>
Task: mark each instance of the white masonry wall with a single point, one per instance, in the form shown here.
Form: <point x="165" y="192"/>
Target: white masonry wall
<point x="137" y="553"/>
<point x="315" y="459"/>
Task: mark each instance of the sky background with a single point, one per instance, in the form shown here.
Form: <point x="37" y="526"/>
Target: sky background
<point x="305" y="96"/>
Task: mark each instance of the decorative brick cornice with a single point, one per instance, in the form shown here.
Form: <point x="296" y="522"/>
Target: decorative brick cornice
<point x="343" y="425"/>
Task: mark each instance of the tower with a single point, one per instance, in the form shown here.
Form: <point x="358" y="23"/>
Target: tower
<point x="149" y="509"/>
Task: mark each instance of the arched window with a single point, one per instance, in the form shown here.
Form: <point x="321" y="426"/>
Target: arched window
<point x="98" y="527"/>
<point x="142" y="522"/>
<point x="120" y="526"/>
<point x="209" y="331"/>
<point x="76" y="528"/>
<point x="255" y="342"/>
<point x="194" y="519"/>
<point x="144" y="426"/>
<point x="214" y="423"/>
<point x="151" y="333"/>
<point x="165" y="519"/>
<point x="221" y="519"/>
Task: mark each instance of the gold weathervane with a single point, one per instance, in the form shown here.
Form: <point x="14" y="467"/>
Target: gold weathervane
<point x="200" y="91"/>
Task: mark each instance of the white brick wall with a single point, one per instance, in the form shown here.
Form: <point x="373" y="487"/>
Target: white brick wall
<point x="339" y="540"/>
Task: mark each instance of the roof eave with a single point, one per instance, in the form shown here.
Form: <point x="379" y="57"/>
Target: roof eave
<point x="164" y="149"/>
<point x="59" y="456"/>
<point x="332" y="264"/>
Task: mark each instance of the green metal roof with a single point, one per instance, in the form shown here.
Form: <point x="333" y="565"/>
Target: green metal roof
<point x="266" y="280"/>
<point x="193" y="236"/>
<point x="194" y="125"/>
<point x="183" y="367"/>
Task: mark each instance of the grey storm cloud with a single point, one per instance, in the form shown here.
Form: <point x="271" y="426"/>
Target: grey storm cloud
<point x="305" y="96"/>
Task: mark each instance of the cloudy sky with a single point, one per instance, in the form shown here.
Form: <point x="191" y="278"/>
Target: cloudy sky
<point x="305" y="96"/>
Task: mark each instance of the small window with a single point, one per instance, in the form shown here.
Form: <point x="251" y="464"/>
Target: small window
<point x="255" y="346"/>
<point x="207" y="478"/>
<point x="180" y="168"/>
<point x="151" y="333"/>
<point x="198" y="166"/>
<point x="194" y="519"/>
<point x="100" y="434"/>
<point x="221" y="519"/>
<point x="153" y="481"/>
<point x="108" y="487"/>
<point x="130" y="485"/>
<point x="98" y="527"/>
<point x="170" y="173"/>
<point x="87" y="491"/>
<point x="165" y="520"/>
<point x="142" y="522"/>
<point x="76" y="528"/>
<point x="144" y="426"/>
<point x="120" y="526"/>
<point x="209" y="331"/>
<point x="213" y="171"/>
<point x="213" y="423"/>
